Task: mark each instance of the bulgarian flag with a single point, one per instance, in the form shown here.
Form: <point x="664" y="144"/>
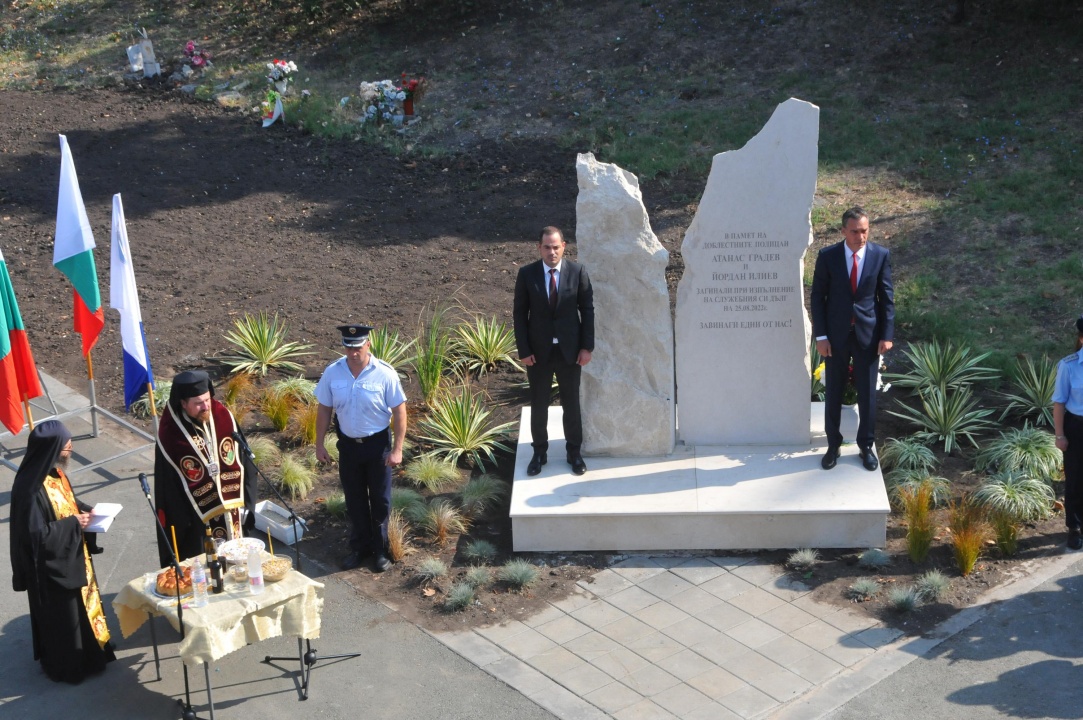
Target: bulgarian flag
<point x="73" y="252"/>
<point x="124" y="297"/>
<point x="18" y="373"/>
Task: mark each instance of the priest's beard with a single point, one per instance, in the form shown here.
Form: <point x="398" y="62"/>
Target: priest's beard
<point x="203" y="417"/>
<point x="62" y="462"/>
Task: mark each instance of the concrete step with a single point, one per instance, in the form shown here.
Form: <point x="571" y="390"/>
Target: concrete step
<point x="699" y="498"/>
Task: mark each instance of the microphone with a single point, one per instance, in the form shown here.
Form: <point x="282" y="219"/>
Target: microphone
<point x="143" y="483"/>
<point x="238" y="437"/>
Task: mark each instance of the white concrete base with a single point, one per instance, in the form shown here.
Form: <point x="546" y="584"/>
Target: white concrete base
<point x="699" y="498"/>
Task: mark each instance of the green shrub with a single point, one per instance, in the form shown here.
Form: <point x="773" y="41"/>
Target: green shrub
<point x="947" y="417"/>
<point x="482" y="344"/>
<point x="432" y="473"/>
<point x="457" y="426"/>
<point x="519" y="574"/>
<point x="1028" y="451"/>
<point x="141" y="407"/>
<point x="907" y="454"/>
<point x="1033" y="396"/>
<point x="941" y="367"/>
<point x="391" y="348"/>
<point x="262" y="345"/>
<point x="460" y="596"/>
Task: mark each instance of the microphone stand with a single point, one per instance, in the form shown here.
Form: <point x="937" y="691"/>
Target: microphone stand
<point x="305" y="654"/>
<point x="187" y="713"/>
<point x="239" y="438"/>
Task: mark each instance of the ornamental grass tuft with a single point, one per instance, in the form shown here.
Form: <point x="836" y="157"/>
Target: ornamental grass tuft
<point x="478" y="576"/>
<point x="518" y="574"/>
<point x="430" y="570"/>
<point x="1033" y="384"/>
<point x="433" y="473"/>
<point x="408" y="502"/>
<point x="460" y="596"/>
<point x="277" y="407"/>
<point x="803" y="560"/>
<point x="862" y="589"/>
<point x="874" y="558"/>
<point x="482" y="494"/>
<point x="398" y="537"/>
<point x="920" y="528"/>
<point x="302" y="422"/>
<point x="907" y="454"/>
<point x="141" y="407"/>
<point x="902" y="481"/>
<point x="295" y="478"/>
<point x="335" y="505"/>
<point x="433" y="352"/>
<point x="265" y="450"/>
<point x="390" y="347"/>
<point x="1011" y="499"/>
<point x="969" y="531"/>
<point x="903" y="599"/>
<point x="441" y="520"/>
<point x="932" y="585"/>
<point x="480" y="551"/>
<point x="1029" y="451"/>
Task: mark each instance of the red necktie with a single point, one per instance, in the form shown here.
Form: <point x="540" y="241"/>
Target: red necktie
<point x="553" y="289"/>
<point x="853" y="276"/>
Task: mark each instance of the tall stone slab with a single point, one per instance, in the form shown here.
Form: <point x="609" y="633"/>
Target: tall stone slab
<point x="742" y="330"/>
<point x="627" y="389"/>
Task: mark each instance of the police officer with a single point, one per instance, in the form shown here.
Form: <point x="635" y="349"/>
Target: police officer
<point x="1068" y="426"/>
<point x="365" y="395"/>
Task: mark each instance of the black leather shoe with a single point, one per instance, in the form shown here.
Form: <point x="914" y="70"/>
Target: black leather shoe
<point x="868" y="459"/>
<point x="831" y="457"/>
<point x="354" y="560"/>
<point x="380" y="563"/>
<point x="536" y="462"/>
<point x="1075" y="539"/>
<point x="578" y="466"/>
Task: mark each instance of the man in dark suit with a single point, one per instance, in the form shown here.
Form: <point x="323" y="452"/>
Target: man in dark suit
<point x="853" y="317"/>
<point x="554" y="332"/>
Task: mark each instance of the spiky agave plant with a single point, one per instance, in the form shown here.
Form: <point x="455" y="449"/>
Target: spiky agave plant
<point x="262" y="346"/>
<point x="458" y="426"/>
<point x="481" y="344"/>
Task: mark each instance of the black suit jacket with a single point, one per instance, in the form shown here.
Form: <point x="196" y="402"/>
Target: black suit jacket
<point x="872" y="306"/>
<point x="572" y="323"/>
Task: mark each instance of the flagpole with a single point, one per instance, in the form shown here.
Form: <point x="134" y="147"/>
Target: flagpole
<point x="29" y="416"/>
<point x="153" y="407"/>
<point x="93" y="395"/>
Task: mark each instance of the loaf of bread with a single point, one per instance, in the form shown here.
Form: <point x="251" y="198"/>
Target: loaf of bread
<point x="167" y="581"/>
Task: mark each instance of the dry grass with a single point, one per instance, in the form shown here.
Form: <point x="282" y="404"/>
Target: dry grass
<point x="302" y="423"/>
<point x="278" y="407"/>
<point x="969" y="531"/>
<point x="442" y="519"/>
<point x="398" y="537"/>
<point x="920" y="528"/>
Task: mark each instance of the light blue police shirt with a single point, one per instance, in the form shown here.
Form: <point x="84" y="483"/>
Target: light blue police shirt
<point x="1068" y="389"/>
<point x="363" y="404"/>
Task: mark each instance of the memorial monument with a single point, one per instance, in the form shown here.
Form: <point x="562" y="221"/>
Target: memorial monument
<point x="627" y="389"/>
<point x="742" y="329"/>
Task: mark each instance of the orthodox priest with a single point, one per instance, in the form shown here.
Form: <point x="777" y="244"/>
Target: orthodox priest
<point x="201" y="476"/>
<point x="50" y="561"/>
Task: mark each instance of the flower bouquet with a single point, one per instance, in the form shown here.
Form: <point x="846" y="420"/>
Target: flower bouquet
<point x="849" y="391"/>
<point x="413" y="88"/>
<point x="196" y="57"/>
<point x="278" y="74"/>
<point x="379" y="101"/>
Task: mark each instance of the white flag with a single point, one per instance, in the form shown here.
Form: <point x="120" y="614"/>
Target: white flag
<point x="124" y="298"/>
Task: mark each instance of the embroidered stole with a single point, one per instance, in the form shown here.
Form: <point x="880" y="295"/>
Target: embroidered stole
<point x="191" y="449"/>
<point x="61" y="497"/>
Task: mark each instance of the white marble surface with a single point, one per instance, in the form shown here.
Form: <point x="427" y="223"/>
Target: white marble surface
<point x="700" y="498"/>
<point x="742" y="333"/>
<point x="627" y="391"/>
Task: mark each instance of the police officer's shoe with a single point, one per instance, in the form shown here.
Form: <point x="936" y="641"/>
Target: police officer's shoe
<point x="380" y="563"/>
<point x="1075" y="539"/>
<point x="536" y="462"/>
<point x="354" y="560"/>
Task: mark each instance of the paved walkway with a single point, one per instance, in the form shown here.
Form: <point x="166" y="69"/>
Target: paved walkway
<point x="677" y="636"/>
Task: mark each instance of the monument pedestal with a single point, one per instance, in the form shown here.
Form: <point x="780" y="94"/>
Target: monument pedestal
<point x="699" y="498"/>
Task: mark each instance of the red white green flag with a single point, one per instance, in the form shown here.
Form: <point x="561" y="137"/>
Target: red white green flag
<point x="73" y="252"/>
<point x="18" y="373"/>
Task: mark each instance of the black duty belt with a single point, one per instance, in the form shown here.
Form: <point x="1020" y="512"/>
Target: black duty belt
<point x="367" y="438"/>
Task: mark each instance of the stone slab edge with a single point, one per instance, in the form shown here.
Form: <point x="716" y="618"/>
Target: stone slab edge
<point x="839" y="690"/>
